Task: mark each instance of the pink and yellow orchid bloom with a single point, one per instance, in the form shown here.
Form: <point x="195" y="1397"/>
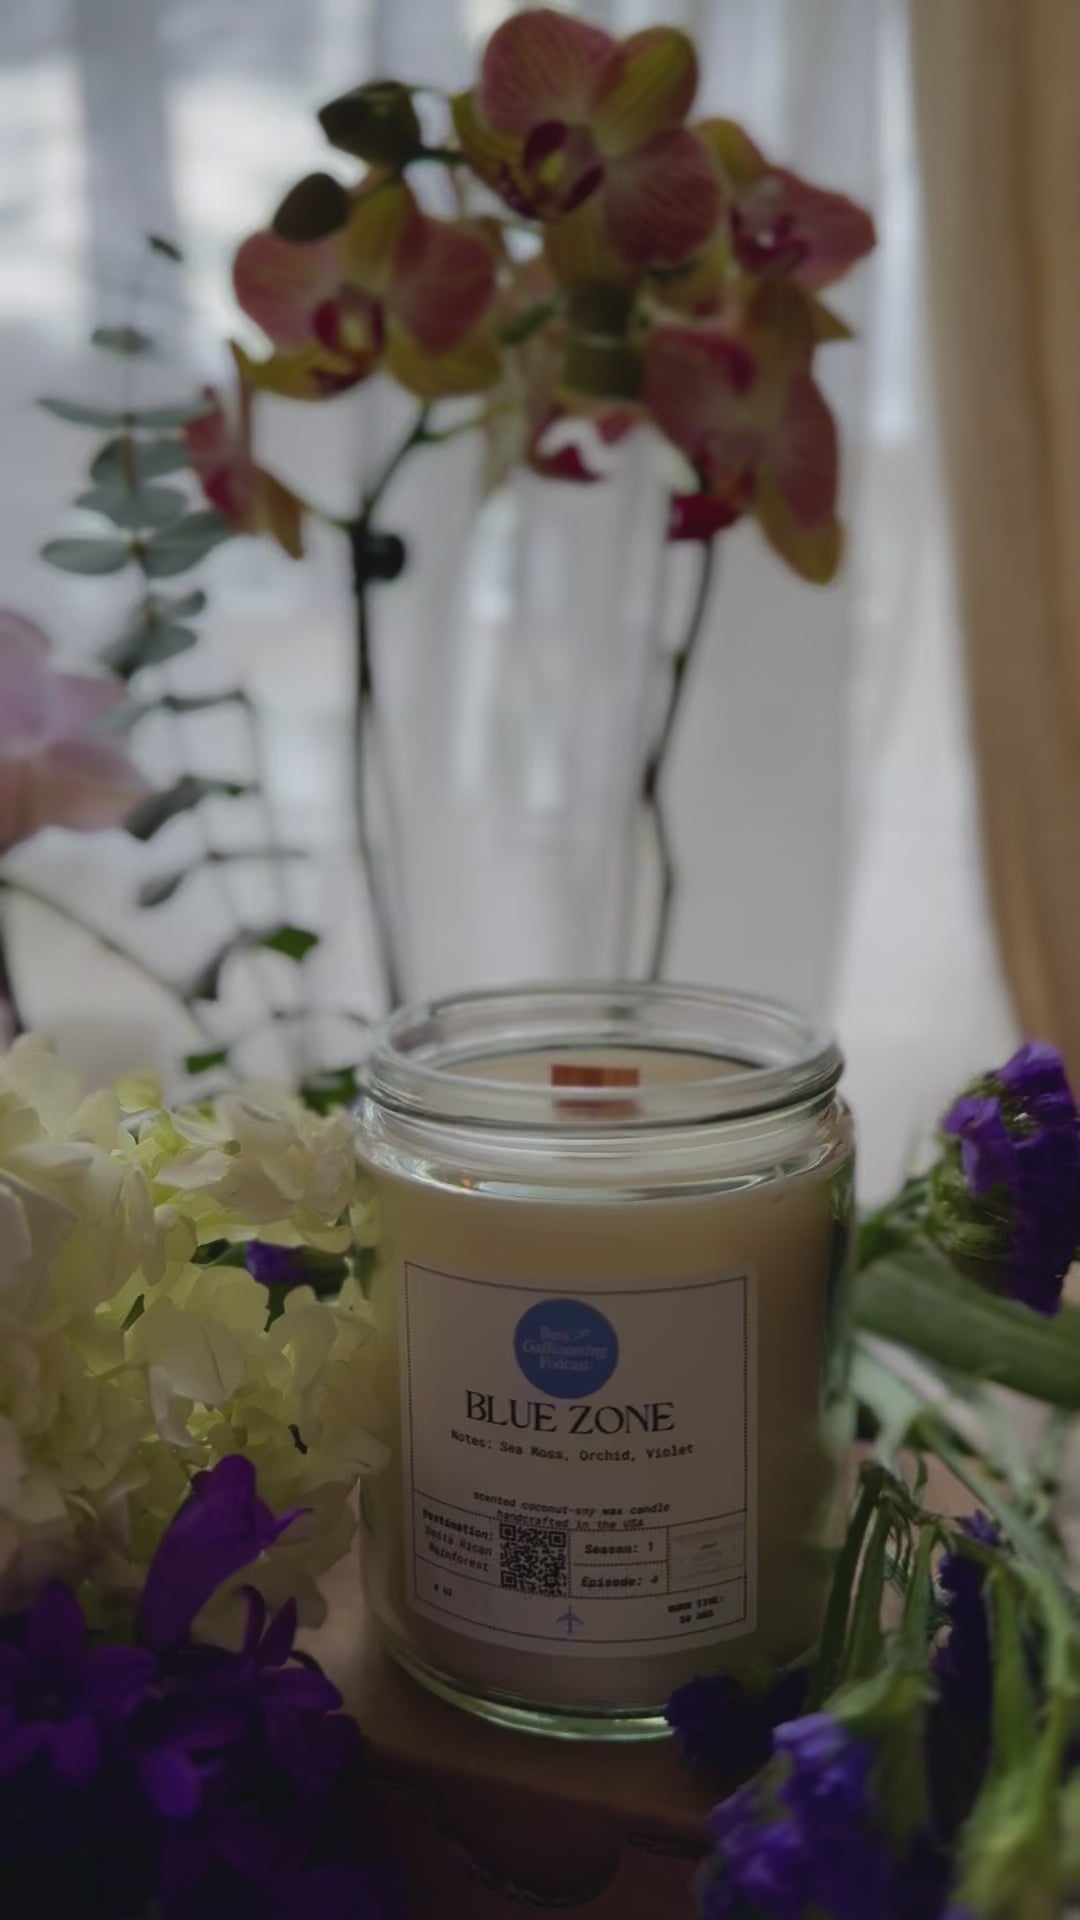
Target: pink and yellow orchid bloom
<point x="219" y="445"/>
<point x="759" y="434"/>
<point x="564" y="115"/>
<point x="393" y="286"/>
<point x="780" y="223"/>
<point x="56" y="768"/>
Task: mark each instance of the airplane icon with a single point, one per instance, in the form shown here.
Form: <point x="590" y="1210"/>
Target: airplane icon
<point x="569" y="1620"/>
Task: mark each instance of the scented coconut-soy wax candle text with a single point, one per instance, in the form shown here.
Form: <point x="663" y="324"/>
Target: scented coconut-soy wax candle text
<point x="610" y="1286"/>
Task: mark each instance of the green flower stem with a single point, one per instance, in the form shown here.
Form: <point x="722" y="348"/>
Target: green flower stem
<point x="25" y="890"/>
<point x="865" y="1639"/>
<point x="915" y="1627"/>
<point x="1012" y="1706"/>
<point x="937" y="1439"/>
<point x="652" y="798"/>
<point x="829" y="1664"/>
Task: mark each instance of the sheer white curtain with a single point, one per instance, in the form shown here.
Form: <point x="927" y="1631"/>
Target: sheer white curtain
<point x="821" y="797"/>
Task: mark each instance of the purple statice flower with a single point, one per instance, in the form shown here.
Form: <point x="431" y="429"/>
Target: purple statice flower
<point x="178" y="1776"/>
<point x="222" y="1527"/>
<point x="725" y="1724"/>
<point x="1018" y="1135"/>
<point x="59" y="1695"/>
<point x="802" y="1837"/>
<point x="274" y="1266"/>
<point x="963" y="1664"/>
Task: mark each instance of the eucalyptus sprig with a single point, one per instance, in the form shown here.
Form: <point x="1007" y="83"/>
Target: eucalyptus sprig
<point x="162" y="532"/>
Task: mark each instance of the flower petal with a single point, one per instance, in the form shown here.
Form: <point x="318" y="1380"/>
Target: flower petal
<point x="276" y="1644"/>
<point x="75" y="1749"/>
<point x="497" y="159"/>
<point x="648" y="88"/>
<point x="696" y="381"/>
<point x="278" y="512"/>
<point x="577" y="249"/>
<point x="24" y="651"/>
<point x="739" y="160"/>
<point x="700" y="516"/>
<point x="313" y="373"/>
<point x="472" y="366"/>
<point x="55" y="1627"/>
<point x="783" y="224"/>
<point x="170" y="1782"/>
<point x="222" y="1526"/>
<point x="385" y="231"/>
<point x="805" y="455"/>
<point x="815" y="554"/>
<point x="279" y="283"/>
<point x="113" y="1677"/>
<point x="541" y="65"/>
<point x="447" y="288"/>
<point x="83" y="784"/>
<point x="301" y="1689"/>
<point x="75" y="702"/>
<point x="662" y="201"/>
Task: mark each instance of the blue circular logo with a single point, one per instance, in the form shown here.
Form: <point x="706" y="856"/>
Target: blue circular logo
<point x="565" y="1348"/>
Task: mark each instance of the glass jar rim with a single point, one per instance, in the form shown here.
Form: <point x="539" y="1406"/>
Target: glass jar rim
<point x="782" y="1059"/>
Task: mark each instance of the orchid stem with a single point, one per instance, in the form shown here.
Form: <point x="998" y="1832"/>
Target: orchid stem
<point x="360" y="533"/>
<point x="652" y="798"/>
<point x="27" y="891"/>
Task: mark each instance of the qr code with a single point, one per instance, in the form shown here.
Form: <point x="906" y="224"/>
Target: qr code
<point x="533" y="1559"/>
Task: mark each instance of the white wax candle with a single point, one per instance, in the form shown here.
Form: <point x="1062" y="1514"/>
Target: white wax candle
<point x="604" y="1350"/>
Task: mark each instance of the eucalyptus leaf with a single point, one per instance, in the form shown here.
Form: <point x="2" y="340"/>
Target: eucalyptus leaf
<point x="155" y="892"/>
<point x="917" y="1298"/>
<point x="179" y="606"/>
<point x="179" y="415"/>
<point x="206" y="984"/>
<point x="151" y="814"/>
<point x="199" y="702"/>
<point x="128" y="462"/>
<point x="87" y="556"/>
<point x="202" y="1062"/>
<point x="148" y="645"/>
<point x="294" y="942"/>
<point x="134" y="507"/>
<point x="160" y="243"/>
<point x="128" y="342"/>
<point x="185" y="543"/>
<point x="78" y="414"/>
<point x="330" y="1088"/>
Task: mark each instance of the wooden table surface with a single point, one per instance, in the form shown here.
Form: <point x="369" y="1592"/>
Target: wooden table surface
<point x="490" y="1819"/>
<point x="486" y="1821"/>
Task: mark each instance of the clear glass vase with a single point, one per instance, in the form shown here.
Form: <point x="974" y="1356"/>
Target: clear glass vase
<point x="515" y="664"/>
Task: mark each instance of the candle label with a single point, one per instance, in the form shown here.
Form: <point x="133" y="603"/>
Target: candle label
<point x="580" y="1466"/>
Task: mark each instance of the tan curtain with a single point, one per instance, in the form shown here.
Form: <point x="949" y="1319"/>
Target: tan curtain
<point x="998" y="101"/>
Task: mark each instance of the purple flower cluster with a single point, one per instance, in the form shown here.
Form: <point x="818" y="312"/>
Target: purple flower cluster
<point x="724" y="1724"/>
<point x="801" y="1838"/>
<point x="963" y="1664"/>
<point x="804" y="1840"/>
<point x="204" y="1781"/>
<point x="1019" y="1143"/>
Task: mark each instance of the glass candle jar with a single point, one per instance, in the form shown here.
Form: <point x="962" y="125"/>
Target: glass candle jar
<point x="611" y="1292"/>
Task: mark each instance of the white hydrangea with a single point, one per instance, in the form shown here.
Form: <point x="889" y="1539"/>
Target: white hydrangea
<point x="129" y="1359"/>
